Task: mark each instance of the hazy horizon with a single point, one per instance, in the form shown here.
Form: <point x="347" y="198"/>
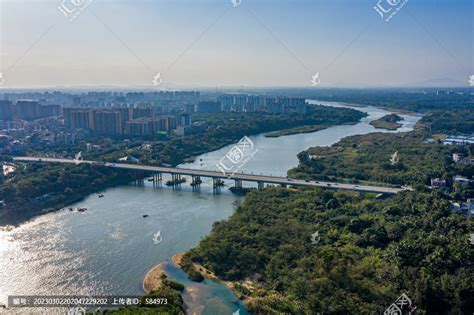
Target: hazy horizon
<point x="208" y="43"/>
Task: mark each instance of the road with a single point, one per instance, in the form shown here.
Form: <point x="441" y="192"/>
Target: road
<point x="220" y="175"/>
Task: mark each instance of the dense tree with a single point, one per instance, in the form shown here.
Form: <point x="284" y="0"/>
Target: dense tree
<point x="371" y="158"/>
<point x="40" y="188"/>
<point x="370" y="252"/>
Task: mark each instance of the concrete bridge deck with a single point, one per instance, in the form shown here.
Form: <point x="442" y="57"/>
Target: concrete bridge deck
<point x="238" y="177"/>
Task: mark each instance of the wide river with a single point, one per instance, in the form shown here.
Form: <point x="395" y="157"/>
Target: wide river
<point x="108" y="249"/>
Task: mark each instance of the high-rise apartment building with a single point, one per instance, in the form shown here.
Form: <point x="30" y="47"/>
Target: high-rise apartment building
<point x="28" y="110"/>
<point x="6" y="110"/>
<point x="106" y="122"/>
<point x="184" y="119"/>
<point x="209" y="107"/>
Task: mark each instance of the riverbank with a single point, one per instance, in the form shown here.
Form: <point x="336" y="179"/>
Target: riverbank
<point x="42" y="189"/>
<point x="39" y="190"/>
<point x="241" y="289"/>
<point x="154" y="278"/>
<point x="388" y="122"/>
<point x="297" y="130"/>
<point x="88" y="244"/>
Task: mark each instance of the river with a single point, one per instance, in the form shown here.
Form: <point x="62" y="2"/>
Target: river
<point x="109" y="248"/>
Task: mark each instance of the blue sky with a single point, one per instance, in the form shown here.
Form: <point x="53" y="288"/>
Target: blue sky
<point x="257" y="43"/>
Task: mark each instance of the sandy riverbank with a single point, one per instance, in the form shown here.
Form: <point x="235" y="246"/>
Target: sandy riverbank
<point x="152" y="279"/>
<point x="232" y="285"/>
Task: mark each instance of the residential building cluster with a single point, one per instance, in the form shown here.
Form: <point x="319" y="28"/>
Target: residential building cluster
<point x="242" y="103"/>
<point x="34" y="119"/>
<point x="27" y="110"/>
<point x="39" y="119"/>
<point x="135" y="120"/>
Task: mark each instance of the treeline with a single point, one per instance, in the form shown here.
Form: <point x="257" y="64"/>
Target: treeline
<point x="415" y="101"/>
<point x="450" y="122"/>
<point x="39" y="188"/>
<point x="367" y="254"/>
<point x="444" y="113"/>
<point x="227" y="128"/>
<point x="399" y="159"/>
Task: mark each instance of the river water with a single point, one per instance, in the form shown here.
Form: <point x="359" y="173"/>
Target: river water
<point x="108" y="249"/>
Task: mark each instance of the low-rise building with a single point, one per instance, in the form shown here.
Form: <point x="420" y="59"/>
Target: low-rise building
<point x="129" y="159"/>
<point x="461" y="180"/>
<point x="438" y="183"/>
<point x="457" y="157"/>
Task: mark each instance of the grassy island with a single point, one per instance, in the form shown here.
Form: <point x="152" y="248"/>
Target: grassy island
<point x="389" y="122"/>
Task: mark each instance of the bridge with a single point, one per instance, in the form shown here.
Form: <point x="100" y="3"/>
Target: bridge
<point x="217" y="177"/>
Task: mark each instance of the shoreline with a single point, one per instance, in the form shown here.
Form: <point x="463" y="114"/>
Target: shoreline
<point x="152" y="280"/>
<point x="388" y="109"/>
<point x="388" y="122"/>
<point x="19" y="219"/>
<point x="208" y="274"/>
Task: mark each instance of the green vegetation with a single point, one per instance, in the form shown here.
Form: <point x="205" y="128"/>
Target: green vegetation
<point x="169" y="290"/>
<point x="369" y="158"/>
<point x="227" y="128"/>
<point x="40" y="188"/>
<point x="450" y="122"/>
<point x="187" y="265"/>
<point x="389" y="122"/>
<point x="444" y="112"/>
<point x="398" y="100"/>
<point x="370" y="252"/>
<point x="221" y="129"/>
<point x="296" y="130"/>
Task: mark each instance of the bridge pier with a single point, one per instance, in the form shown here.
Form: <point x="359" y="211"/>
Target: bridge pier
<point x="176" y="179"/>
<point x="138" y="177"/>
<point x="261" y="185"/>
<point x="195" y="181"/>
<point x="238" y="183"/>
<point x="216" y="185"/>
<point x="157" y="178"/>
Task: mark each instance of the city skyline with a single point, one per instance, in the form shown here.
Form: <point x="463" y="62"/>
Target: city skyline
<point x="213" y="43"/>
